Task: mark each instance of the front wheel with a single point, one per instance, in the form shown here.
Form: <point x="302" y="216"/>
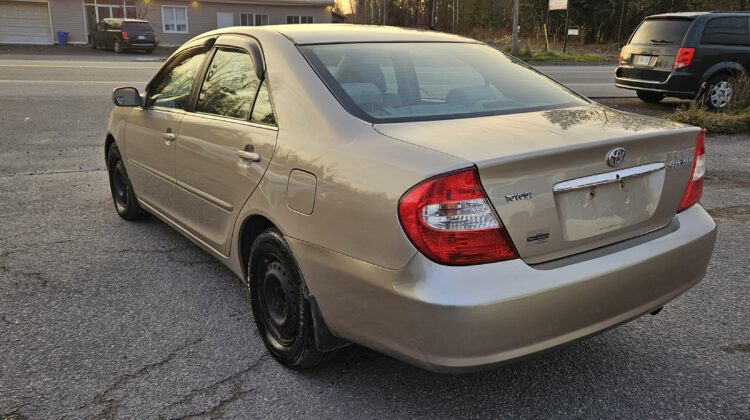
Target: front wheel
<point x="123" y="194"/>
<point x="280" y="307"/>
<point x="650" y="97"/>
<point x="118" y="47"/>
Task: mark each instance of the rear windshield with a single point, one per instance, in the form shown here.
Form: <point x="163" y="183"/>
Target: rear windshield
<point x="393" y="82"/>
<point x="661" y="31"/>
<point x="137" y="27"/>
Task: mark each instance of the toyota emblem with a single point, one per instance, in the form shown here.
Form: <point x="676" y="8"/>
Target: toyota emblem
<point x="615" y="157"/>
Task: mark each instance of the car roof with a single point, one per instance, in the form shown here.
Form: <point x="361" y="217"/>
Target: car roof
<point x="692" y="15"/>
<point x="335" y="33"/>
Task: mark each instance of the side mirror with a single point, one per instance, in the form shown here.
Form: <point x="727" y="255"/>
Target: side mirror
<point x="126" y="96"/>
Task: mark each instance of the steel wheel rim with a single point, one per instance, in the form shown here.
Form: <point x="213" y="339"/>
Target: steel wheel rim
<point x="279" y="301"/>
<point x="119" y="184"/>
<point x="720" y="94"/>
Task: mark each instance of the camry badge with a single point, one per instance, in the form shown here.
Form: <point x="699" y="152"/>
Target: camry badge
<point x="615" y="157"/>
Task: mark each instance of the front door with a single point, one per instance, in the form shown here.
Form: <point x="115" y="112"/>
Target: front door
<point x="225" y="146"/>
<point x="152" y="131"/>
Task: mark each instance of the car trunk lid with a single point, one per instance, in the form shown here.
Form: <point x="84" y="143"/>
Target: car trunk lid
<point x="548" y="178"/>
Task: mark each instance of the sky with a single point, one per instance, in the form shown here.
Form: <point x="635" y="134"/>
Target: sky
<point x="345" y="5"/>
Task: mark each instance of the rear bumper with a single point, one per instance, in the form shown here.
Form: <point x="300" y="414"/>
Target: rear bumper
<point x="678" y="84"/>
<point x="136" y="45"/>
<point x="455" y="319"/>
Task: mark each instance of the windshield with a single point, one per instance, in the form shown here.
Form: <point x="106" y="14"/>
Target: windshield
<point x="661" y="31"/>
<point x="392" y="82"/>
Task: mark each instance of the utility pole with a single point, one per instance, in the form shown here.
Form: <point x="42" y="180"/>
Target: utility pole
<point x="431" y="24"/>
<point x="565" y="43"/>
<point x="516" y="7"/>
<point x="385" y="12"/>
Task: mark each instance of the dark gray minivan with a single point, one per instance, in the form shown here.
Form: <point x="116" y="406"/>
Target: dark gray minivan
<point x="673" y="55"/>
<point x="124" y="34"/>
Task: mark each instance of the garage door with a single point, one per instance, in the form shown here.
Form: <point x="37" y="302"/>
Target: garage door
<point x="24" y="22"/>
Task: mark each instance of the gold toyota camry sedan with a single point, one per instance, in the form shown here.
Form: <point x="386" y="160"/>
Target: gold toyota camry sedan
<point x="418" y="193"/>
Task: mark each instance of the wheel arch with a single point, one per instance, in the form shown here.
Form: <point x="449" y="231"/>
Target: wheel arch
<point x="110" y="140"/>
<point x="730" y="68"/>
<point x="251" y="227"/>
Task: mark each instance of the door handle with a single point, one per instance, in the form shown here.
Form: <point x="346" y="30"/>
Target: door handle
<point x="169" y="136"/>
<point x="248" y="155"/>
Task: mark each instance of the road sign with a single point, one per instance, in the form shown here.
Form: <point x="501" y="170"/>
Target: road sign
<point x="558" y="5"/>
<point x="572" y="31"/>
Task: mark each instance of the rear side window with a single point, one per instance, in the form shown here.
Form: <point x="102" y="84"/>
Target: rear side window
<point x="726" y="31"/>
<point x="661" y="31"/>
<point x="230" y="85"/>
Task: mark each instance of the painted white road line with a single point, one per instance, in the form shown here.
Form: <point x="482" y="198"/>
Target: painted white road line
<point x="62" y="66"/>
<point x="71" y="81"/>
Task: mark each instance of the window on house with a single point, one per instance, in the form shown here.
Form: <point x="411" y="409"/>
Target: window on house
<point x="174" y="19"/>
<point x="299" y="19"/>
<point x="253" y="19"/>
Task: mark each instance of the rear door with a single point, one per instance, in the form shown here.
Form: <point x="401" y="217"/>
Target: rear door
<point x="653" y="47"/>
<point x="151" y="131"/>
<point x="226" y="145"/>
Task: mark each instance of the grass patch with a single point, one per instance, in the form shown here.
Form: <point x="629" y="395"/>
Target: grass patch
<point x="734" y="119"/>
<point x="561" y="57"/>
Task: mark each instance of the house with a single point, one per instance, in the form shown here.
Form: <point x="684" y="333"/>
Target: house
<point x="175" y="21"/>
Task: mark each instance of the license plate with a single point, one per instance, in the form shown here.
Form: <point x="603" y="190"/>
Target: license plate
<point x="642" y="60"/>
<point x="589" y="212"/>
<point x="141" y="36"/>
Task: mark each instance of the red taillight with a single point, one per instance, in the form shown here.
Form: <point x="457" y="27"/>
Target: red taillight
<point x="124" y="35"/>
<point x="449" y="219"/>
<point x="694" y="188"/>
<point x="684" y="58"/>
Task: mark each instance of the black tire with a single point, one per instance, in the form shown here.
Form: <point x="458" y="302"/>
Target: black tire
<point x="718" y="95"/>
<point x="117" y="46"/>
<point x="149" y="51"/>
<point x="650" y="97"/>
<point x="280" y="308"/>
<point x="123" y="194"/>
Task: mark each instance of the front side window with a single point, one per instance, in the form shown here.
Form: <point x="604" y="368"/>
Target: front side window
<point x="174" y="19"/>
<point x="172" y="90"/>
<point x="393" y="82"/>
<point x="230" y="85"/>
<point x="726" y="31"/>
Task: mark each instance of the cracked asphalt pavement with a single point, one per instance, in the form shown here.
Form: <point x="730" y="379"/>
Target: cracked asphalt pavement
<point x="102" y="318"/>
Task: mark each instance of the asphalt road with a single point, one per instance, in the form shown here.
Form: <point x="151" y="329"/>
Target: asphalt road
<point x="109" y="319"/>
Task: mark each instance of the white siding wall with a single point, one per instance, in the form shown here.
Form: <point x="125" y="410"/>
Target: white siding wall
<point x="202" y="16"/>
<point x="67" y="15"/>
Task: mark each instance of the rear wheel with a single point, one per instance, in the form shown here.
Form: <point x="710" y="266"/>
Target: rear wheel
<point x="118" y="47"/>
<point x="719" y="93"/>
<point x="650" y="97"/>
<point x="280" y="307"/>
<point x="123" y="194"/>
